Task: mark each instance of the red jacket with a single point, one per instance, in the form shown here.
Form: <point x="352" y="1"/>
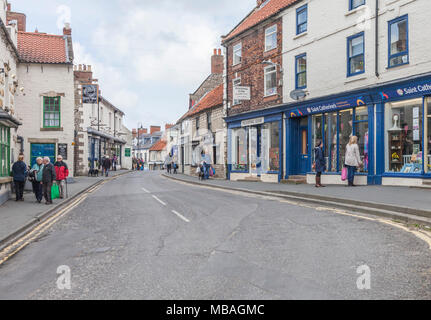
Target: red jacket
<point x="61" y="170"/>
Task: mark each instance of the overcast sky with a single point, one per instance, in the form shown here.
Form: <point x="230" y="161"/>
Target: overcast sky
<point x="147" y="54"/>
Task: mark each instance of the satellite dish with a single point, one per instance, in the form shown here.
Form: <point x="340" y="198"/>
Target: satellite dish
<point x="298" y="94"/>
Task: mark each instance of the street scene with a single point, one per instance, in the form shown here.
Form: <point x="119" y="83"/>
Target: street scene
<point x="199" y="151"/>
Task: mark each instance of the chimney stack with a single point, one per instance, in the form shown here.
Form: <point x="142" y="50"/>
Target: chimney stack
<point x="154" y="129"/>
<point x="217" y="62"/>
<point x="15" y="16"/>
<point x="67" y="30"/>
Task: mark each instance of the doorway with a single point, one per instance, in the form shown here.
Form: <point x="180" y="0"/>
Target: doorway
<point x="303" y="155"/>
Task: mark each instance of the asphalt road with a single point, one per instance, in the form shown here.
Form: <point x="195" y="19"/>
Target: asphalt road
<point x="142" y="236"/>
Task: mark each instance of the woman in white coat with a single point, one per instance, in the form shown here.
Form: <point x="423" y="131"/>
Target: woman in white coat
<point x="352" y="160"/>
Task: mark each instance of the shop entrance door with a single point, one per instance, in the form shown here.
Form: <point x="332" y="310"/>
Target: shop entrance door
<point x="303" y="155"/>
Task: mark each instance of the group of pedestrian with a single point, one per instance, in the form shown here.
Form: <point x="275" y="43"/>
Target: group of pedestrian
<point x="42" y="175"/>
<point x="171" y="165"/>
<point x="352" y="161"/>
<point x="138" y="164"/>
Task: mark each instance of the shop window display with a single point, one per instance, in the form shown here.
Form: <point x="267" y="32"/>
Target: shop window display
<point x="316" y="132"/>
<point x="404" y="131"/>
<point x="427" y="144"/>
<point x="331" y="141"/>
<point x="239" y="150"/>
<point x="361" y="131"/>
<point x="345" y="122"/>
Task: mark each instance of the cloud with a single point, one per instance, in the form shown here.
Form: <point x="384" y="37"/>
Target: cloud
<point x="64" y="16"/>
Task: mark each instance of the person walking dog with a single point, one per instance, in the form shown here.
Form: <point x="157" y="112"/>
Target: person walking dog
<point x="48" y="178"/>
<point x="37" y="170"/>
<point x="19" y="171"/>
<point x="62" y="172"/>
<point x="352" y="159"/>
<point x="319" y="164"/>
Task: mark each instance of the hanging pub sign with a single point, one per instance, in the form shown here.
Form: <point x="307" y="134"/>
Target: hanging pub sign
<point x="90" y="93"/>
<point x="62" y="150"/>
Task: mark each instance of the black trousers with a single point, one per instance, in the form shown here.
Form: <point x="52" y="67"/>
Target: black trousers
<point x="38" y="190"/>
<point x="19" y="189"/>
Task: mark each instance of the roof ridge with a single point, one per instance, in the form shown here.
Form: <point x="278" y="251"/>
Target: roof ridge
<point x="41" y="34"/>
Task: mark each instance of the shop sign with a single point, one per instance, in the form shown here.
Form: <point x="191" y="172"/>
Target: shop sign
<point x="417" y="89"/>
<point x="90" y="93"/>
<point x="241" y="93"/>
<point x="329" y="107"/>
<point x="252" y="122"/>
<point x="62" y="150"/>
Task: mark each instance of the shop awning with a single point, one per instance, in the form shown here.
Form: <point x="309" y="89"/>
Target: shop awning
<point x="105" y="135"/>
<point x="8" y="120"/>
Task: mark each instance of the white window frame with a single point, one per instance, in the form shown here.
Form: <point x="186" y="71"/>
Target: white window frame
<point x="237" y="48"/>
<point x="268" y="33"/>
<point x="269" y="73"/>
<point x="238" y="80"/>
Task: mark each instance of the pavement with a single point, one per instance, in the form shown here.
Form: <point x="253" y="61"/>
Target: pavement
<point x="17" y="215"/>
<point x="404" y="202"/>
<point x="142" y="236"/>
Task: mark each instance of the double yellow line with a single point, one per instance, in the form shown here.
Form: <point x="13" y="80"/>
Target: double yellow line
<point x="19" y="244"/>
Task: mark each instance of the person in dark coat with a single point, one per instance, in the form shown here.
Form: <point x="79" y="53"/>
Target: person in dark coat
<point x="48" y="178"/>
<point x="106" y="164"/>
<point x="320" y="163"/>
<point x="19" y="171"/>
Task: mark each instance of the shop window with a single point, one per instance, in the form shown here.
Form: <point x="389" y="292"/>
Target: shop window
<point x="270" y="147"/>
<point x="271" y="38"/>
<point x="345" y="123"/>
<point x="51" y="112"/>
<point x="239" y="152"/>
<point x="356" y="58"/>
<point x="398" y="42"/>
<point x="301" y="19"/>
<point x="4" y="151"/>
<point x="301" y="71"/>
<point x="270" y="81"/>
<point x="237" y="54"/>
<point x="428" y="135"/>
<point x="331" y="141"/>
<point x="353" y="4"/>
<point x="404" y="129"/>
<point x="361" y="131"/>
<point x="316" y="132"/>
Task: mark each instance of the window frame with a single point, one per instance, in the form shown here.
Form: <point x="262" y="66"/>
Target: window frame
<point x="51" y="112"/>
<point x="352" y="7"/>
<point x="236" y="49"/>
<point x="349" y="58"/>
<point x="265" y="74"/>
<point x="298" y="73"/>
<point x="4" y="145"/>
<point x="298" y="12"/>
<point x="407" y="52"/>
<point x="267" y="35"/>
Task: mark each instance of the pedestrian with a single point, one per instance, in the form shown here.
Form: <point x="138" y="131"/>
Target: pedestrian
<point x="206" y="164"/>
<point x="319" y="163"/>
<point x="175" y="167"/>
<point x="19" y="171"/>
<point x="106" y="164"/>
<point x="134" y="163"/>
<point x="168" y="163"/>
<point x="352" y="160"/>
<point x="114" y="162"/>
<point x="61" y="172"/>
<point x="37" y="171"/>
<point x="48" y="178"/>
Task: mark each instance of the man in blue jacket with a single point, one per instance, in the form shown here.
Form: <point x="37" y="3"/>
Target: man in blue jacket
<point x="19" y="171"/>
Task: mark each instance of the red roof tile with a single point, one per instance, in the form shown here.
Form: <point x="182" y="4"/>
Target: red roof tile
<point x="159" y="146"/>
<point x="42" y="48"/>
<point x="258" y="15"/>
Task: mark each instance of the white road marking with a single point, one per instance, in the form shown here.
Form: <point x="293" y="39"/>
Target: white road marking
<point x="160" y="201"/>
<point x="145" y="190"/>
<point x="181" y="216"/>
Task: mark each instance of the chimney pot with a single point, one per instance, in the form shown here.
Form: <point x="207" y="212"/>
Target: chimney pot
<point x="9" y="7"/>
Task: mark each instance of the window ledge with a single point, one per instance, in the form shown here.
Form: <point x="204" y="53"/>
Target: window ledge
<point x="353" y="11"/>
<point x="51" y="129"/>
<point x="355" y="79"/>
<point x="270" y="95"/>
<point x="300" y="35"/>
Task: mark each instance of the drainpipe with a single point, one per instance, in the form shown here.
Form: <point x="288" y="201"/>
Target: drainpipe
<point x="377" y="39"/>
<point x="21" y="142"/>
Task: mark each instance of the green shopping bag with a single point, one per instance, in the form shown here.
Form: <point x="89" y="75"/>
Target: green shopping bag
<point x="55" y="192"/>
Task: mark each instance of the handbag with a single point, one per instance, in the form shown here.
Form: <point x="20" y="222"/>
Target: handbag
<point x="55" y="192"/>
<point x="344" y="174"/>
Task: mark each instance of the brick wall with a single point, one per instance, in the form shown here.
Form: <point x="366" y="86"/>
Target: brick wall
<point x="251" y="69"/>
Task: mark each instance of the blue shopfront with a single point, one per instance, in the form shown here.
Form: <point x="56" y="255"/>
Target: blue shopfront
<point x="392" y="123"/>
